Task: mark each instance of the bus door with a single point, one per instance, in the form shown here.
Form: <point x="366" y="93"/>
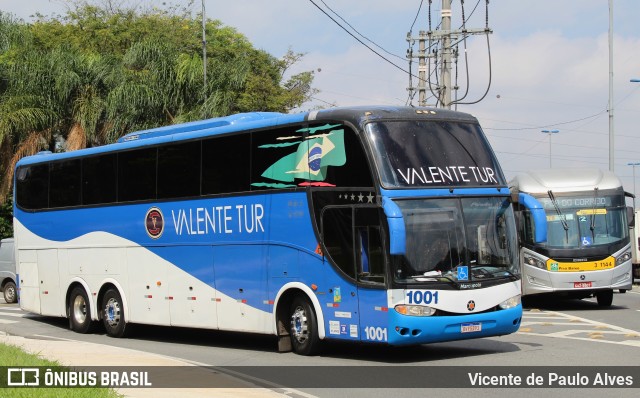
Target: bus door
<point x="353" y="241"/>
<point x="371" y="275"/>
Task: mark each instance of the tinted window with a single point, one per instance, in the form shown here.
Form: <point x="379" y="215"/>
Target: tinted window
<point x="33" y="186"/>
<point x="99" y="179"/>
<point x="137" y="175"/>
<point x="65" y="183"/>
<point x="325" y="155"/>
<point x="226" y="164"/>
<point x="179" y="170"/>
<point x="354" y="171"/>
<point x="277" y="159"/>
<point x="419" y="153"/>
<point x="337" y="234"/>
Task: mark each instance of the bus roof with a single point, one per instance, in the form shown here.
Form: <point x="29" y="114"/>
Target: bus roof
<point x="250" y="121"/>
<point x="564" y="180"/>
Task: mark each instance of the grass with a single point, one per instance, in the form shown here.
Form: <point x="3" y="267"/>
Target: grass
<point x="12" y="356"/>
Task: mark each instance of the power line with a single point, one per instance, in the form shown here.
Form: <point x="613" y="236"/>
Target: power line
<point x="360" y="41"/>
<point x="355" y="30"/>
<point x="548" y="125"/>
<point x="417" y="14"/>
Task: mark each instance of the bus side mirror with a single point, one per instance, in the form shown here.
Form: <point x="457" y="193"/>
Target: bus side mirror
<point x="631" y="216"/>
<point x="397" y="232"/>
<point x="538" y="216"/>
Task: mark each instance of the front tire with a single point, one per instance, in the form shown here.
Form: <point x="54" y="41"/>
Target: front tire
<point x="10" y="293"/>
<point x="605" y="298"/>
<point x="79" y="311"/>
<point x="304" y="327"/>
<point x="113" y="314"/>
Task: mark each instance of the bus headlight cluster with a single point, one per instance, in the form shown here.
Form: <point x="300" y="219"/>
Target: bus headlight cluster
<point x="623" y="258"/>
<point x="415" y="310"/>
<point x="510" y="303"/>
<point x="534" y="261"/>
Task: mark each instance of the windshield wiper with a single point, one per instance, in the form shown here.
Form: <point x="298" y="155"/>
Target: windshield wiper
<point x="560" y="214"/>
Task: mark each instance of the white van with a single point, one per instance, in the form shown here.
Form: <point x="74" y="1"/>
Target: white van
<point x="8" y="271"/>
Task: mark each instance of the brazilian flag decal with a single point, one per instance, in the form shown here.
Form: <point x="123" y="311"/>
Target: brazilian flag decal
<point x="311" y="159"/>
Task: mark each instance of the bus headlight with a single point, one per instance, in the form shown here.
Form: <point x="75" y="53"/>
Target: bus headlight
<point x="510" y="303"/>
<point x="623" y="258"/>
<point x="534" y="261"/>
<point x="415" y="310"/>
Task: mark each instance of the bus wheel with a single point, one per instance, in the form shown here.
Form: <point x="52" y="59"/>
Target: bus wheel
<point x="605" y="298"/>
<point x="79" y="313"/>
<point x="113" y="313"/>
<point x="10" y="295"/>
<point x="304" y="329"/>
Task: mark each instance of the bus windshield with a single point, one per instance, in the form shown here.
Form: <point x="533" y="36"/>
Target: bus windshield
<point x="420" y="154"/>
<point x="459" y="240"/>
<point x="584" y="220"/>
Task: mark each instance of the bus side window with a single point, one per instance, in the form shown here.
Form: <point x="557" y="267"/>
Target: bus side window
<point x="64" y="183"/>
<point x="32" y="189"/>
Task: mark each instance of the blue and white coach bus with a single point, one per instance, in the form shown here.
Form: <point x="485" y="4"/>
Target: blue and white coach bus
<point x="587" y="252"/>
<point x="390" y="225"/>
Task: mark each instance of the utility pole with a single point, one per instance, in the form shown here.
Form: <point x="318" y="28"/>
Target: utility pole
<point x="422" y="72"/>
<point x="611" y="140"/>
<point x="445" y="74"/>
<point x="440" y="49"/>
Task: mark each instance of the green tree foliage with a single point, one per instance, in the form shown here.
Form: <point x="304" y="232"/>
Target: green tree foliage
<point x="102" y="70"/>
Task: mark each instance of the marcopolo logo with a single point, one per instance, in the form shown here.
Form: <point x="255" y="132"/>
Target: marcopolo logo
<point x="471" y="305"/>
<point x="154" y="223"/>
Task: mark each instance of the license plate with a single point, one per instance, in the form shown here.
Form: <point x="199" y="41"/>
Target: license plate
<point x="471" y="327"/>
<point x="581" y="285"/>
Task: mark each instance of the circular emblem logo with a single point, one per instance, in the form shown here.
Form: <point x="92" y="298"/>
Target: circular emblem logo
<point x="315" y="158"/>
<point x="154" y="223"/>
<point x="471" y="305"/>
<point x="582" y="277"/>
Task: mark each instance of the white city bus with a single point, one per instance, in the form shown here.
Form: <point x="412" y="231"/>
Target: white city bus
<point x="588" y="250"/>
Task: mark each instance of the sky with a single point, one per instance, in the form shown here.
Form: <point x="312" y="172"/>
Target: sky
<point x="549" y="67"/>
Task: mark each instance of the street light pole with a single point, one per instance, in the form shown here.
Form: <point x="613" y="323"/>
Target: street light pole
<point x="634" y="175"/>
<point x="549" y="132"/>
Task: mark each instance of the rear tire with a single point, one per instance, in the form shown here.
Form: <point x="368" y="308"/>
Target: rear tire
<point x="113" y="314"/>
<point x="10" y="293"/>
<point x="605" y="298"/>
<point x="79" y="311"/>
<point x="304" y="327"/>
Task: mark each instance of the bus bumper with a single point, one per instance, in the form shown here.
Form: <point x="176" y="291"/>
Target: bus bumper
<point x="536" y="280"/>
<point x="411" y="330"/>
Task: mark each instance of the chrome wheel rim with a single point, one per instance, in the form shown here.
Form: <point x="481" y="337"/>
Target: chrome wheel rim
<point x="79" y="309"/>
<point x="112" y="312"/>
<point x="299" y="325"/>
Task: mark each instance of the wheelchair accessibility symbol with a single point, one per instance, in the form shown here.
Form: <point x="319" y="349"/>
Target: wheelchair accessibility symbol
<point x="587" y="241"/>
<point x="463" y="273"/>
